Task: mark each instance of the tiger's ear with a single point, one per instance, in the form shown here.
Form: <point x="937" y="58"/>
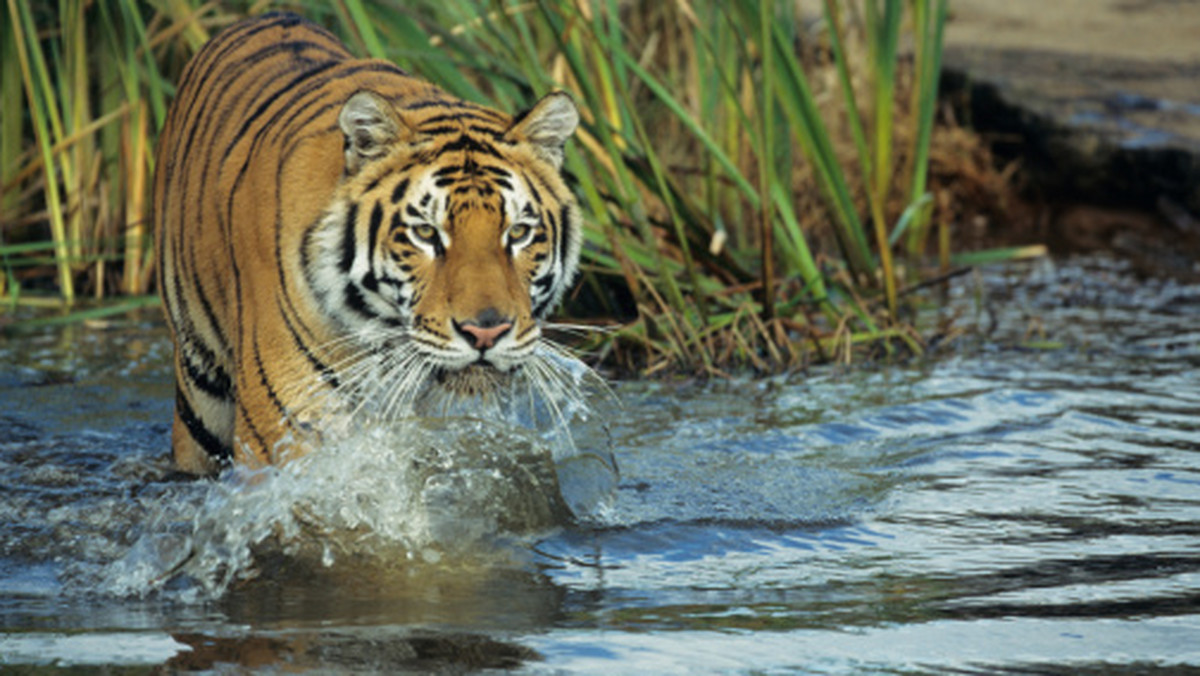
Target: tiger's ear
<point x="370" y="125"/>
<point x="547" y="126"/>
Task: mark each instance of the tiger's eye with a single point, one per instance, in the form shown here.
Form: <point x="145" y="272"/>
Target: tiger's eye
<point x="424" y="232"/>
<point x="519" y="231"/>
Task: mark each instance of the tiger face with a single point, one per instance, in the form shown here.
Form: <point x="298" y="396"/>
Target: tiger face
<point x="449" y="239"/>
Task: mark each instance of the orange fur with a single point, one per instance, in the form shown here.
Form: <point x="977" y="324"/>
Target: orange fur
<point x="302" y="223"/>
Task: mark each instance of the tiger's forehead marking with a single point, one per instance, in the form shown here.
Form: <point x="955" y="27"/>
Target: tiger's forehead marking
<point x="451" y="190"/>
<point x="428" y="200"/>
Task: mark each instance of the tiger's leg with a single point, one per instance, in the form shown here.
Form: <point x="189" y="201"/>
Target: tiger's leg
<point x="281" y="396"/>
<point x="201" y="436"/>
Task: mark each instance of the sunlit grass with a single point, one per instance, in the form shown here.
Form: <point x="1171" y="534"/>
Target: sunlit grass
<point x="730" y="179"/>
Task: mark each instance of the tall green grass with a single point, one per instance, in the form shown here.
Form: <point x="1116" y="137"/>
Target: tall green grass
<point x="745" y="197"/>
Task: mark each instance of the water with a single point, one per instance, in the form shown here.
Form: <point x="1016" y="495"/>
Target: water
<point x="995" y="509"/>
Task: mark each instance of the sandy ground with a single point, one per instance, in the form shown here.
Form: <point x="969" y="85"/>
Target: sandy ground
<point x="1137" y="60"/>
<point x="1140" y="30"/>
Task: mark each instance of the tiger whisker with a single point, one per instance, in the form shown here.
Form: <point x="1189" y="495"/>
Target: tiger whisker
<point x="411" y="376"/>
<point x="543" y="381"/>
<point x="392" y="372"/>
<point x="590" y="374"/>
<point x="579" y="329"/>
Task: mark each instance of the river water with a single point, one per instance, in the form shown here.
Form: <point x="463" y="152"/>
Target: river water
<point x="1027" y="500"/>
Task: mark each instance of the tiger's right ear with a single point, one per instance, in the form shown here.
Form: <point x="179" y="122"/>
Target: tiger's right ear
<point x="370" y="125"/>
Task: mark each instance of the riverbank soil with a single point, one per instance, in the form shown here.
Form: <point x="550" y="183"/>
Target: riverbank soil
<point x="1099" y="102"/>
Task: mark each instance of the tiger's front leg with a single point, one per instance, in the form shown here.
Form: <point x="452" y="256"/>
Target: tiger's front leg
<point x="191" y="443"/>
<point x="202" y="431"/>
<point x="284" y="403"/>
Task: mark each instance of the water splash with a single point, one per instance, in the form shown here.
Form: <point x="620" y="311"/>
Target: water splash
<point x="472" y="484"/>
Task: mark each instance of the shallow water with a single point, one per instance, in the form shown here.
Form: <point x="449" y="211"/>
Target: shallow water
<point x="1004" y="509"/>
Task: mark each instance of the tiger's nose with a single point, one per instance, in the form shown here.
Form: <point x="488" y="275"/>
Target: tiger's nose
<point x="485" y="329"/>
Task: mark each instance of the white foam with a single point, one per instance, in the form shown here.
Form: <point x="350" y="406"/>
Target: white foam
<point x="417" y="490"/>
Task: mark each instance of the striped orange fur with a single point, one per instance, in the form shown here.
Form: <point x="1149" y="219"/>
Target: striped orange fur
<point x="318" y="216"/>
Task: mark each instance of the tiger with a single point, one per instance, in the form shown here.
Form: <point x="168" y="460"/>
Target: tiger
<point x="321" y="219"/>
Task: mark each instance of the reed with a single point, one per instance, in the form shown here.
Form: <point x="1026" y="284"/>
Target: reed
<point x="728" y="202"/>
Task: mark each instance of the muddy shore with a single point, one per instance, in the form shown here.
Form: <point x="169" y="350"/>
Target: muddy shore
<point x="1099" y="100"/>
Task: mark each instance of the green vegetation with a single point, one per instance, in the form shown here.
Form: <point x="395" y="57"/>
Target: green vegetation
<point x="757" y="191"/>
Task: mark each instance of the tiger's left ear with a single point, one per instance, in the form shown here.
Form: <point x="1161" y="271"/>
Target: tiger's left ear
<point x="547" y="126"/>
<point x="370" y="125"/>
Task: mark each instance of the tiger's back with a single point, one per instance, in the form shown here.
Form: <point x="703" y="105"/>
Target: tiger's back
<point x="314" y="210"/>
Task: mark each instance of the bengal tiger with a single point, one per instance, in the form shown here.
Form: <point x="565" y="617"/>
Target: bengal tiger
<point x="325" y="221"/>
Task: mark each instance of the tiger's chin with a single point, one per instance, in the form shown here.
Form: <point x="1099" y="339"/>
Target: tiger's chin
<point x="474" y="380"/>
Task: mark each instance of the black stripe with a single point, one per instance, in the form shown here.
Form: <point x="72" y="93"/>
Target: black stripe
<point x="288" y="308"/>
<point x="456" y="116"/>
<point x="469" y="144"/>
<point x="205" y="306"/>
<point x="373" y="230"/>
<point x="348" y="248"/>
<point x="258" y="437"/>
<point x="399" y="191"/>
<point x="356" y="302"/>
<point x="369" y="281"/>
<point x="496" y="134"/>
<point x="208" y="441"/>
<point x="429" y="103"/>
<point x="263" y="380"/>
<point x="289" y="89"/>
<point x="238" y="303"/>
<point x="305" y="256"/>
<point x="444" y="129"/>
<point x="402" y="238"/>
<point x="533" y="191"/>
<point x="564" y="221"/>
<point x="218" y="386"/>
<point x="458" y="105"/>
<point x="321" y="367"/>
<point x="398" y="286"/>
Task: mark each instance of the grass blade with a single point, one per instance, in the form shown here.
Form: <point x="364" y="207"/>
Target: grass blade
<point x="43" y="117"/>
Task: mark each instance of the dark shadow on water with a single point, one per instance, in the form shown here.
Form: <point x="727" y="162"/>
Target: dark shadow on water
<point x="399" y="653"/>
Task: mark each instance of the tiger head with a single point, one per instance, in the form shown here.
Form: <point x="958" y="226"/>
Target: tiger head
<point x="452" y="233"/>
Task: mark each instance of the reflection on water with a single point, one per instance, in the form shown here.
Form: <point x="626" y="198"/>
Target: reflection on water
<point x="1000" y="509"/>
